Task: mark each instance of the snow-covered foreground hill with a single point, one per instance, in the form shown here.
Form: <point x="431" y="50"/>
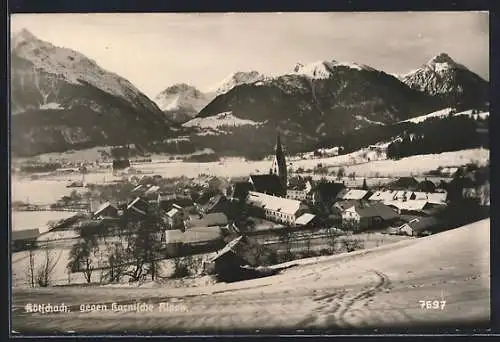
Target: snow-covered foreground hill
<point x="375" y="288"/>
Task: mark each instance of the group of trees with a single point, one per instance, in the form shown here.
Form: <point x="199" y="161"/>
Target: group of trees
<point x="134" y="252"/>
<point x="439" y="135"/>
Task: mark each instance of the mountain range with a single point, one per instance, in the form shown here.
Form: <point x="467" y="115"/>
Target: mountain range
<point x="62" y="100"/>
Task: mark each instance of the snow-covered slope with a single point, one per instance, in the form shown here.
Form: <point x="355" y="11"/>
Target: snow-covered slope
<point x="71" y="67"/>
<point x="226" y="119"/>
<point x="62" y="100"/>
<point x="181" y="102"/>
<point x="447" y="111"/>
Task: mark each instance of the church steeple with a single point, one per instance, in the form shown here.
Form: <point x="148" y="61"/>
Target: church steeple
<point x="279" y="164"/>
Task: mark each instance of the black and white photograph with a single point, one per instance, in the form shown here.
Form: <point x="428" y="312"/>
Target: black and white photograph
<point x="244" y="173"/>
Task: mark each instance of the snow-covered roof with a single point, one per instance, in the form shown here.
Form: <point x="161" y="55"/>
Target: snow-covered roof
<point x="382" y="196"/>
<point x="436" y="197"/>
<point x="354" y="194"/>
<point x="229" y="247"/>
<point x="102" y="207"/>
<point x="273" y="203"/>
<point x="408" y="205"/>
<point x="419" y="195"/>
<point x="304" y="219"/>
<point x="193" y="235"/>
<point x="153" y="189"/>
<point x="172" y="212"/>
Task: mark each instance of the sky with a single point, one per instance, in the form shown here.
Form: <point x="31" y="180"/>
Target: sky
<point x="156" y="50"/>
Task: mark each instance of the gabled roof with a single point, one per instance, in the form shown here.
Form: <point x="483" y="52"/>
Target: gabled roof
<point x="405" y="183"/>
<point x="274" y="203"/>
<point x="138" y="204"/>
<point x="152" y="189"/>
<point x="103" y="207"/>
<point x="354" y="194"/>
<point x="419" y="224"/>
<point x="229" y="247"/>
<point x="375" y="209"/>
<point x="414" y="205"/>
<point x="25" y="234"/>
<point x="270" y="184"/>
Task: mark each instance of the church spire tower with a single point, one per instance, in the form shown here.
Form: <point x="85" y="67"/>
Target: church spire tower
<point x="279" y="164"/>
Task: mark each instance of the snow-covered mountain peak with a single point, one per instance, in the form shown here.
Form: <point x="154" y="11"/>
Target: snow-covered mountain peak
<point x="443" y="62"/>
<point x="236" y="79"/>
<point x="325" y="69"/>
<point x="70" y="66"/>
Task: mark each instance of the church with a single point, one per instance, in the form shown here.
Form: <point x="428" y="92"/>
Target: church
<point x="274" y="183"/>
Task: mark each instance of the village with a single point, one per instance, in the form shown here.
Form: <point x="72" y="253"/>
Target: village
<point x="243" y="225"/>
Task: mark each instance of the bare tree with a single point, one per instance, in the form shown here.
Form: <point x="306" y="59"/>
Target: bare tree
<point x="332" y="235"/>
<point x="286" y="237"/>
<point x="30" y="268"/>
<point x="116" y="262"/>
<point x="45" y="271"/>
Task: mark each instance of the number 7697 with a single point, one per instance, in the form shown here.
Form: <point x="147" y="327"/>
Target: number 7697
<point x="432" y="304"/>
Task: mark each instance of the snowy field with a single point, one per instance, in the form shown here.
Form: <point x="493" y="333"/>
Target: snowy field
<point x="417" y="165"/>
<point x="51" y="188"/>
<point x="445" y="112"/>
<point x="37" y="219"/>
<point x="376" y="288"/>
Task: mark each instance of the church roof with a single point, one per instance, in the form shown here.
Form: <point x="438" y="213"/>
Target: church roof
<point x="267" y="184"/>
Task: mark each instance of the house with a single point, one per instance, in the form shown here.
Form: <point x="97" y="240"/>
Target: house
<point x="208" y="220"/>
<point x="409" y="207"/>
<point x="277" y="209"/>
<point x="326" y="193"/>
<point x="370" y="215"/>
<point x="404" y="183"/>
<point x="268" y="184"/>
<point x="226" y="263"/>
<point x="299" y="192"/>
<point x="139" y="206"/>
<point x="218" y="203"/>
<point x="175" y="218"/>
<point x="354" y="194"/>
<point x="426" y="186"/>
<point x="24" y="239"/>
<point x="419" y="226"/>
<point x="106" y="210"/>
<point x="165" y="200"/>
